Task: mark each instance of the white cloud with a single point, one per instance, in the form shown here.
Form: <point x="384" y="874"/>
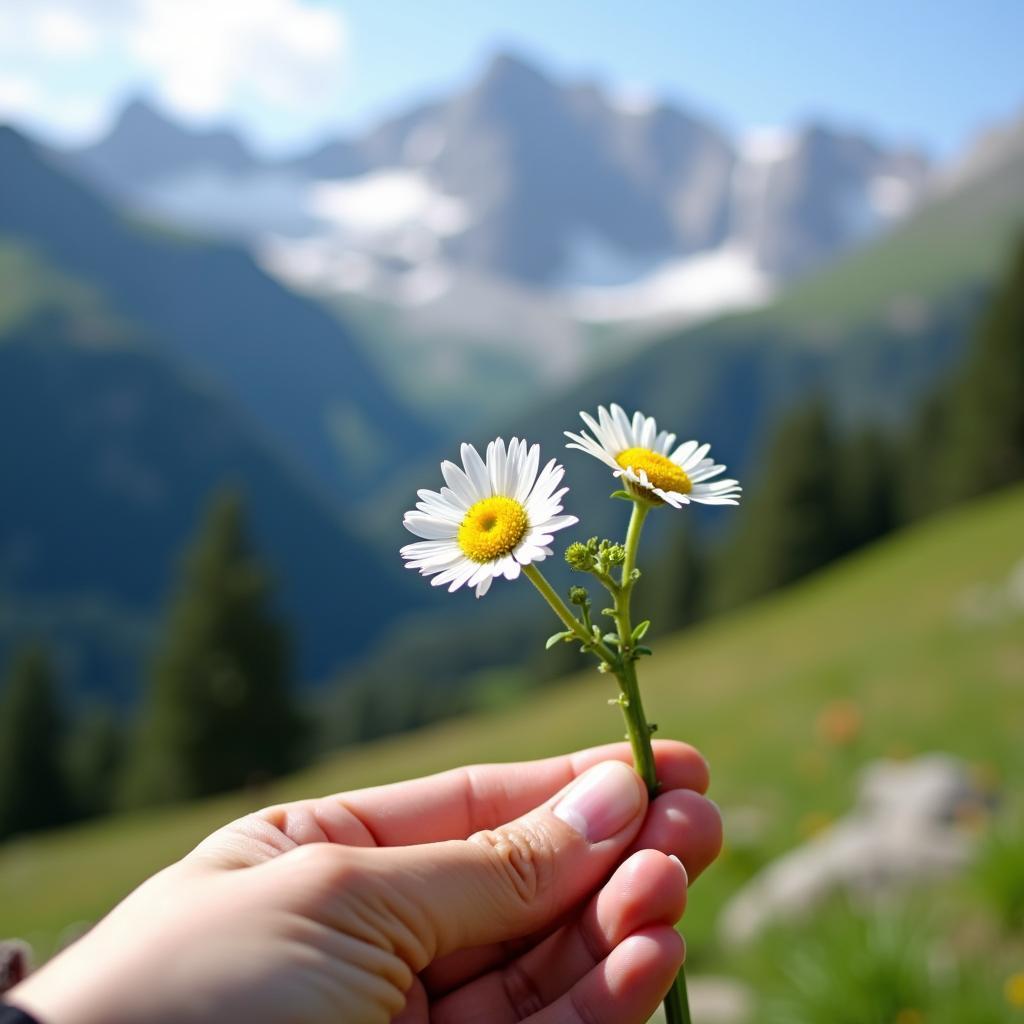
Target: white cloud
<point x="16" y="93"/>
<point x="203" y="55"/>
<point x="62" y="32"/>
<point x="262" y="60"/>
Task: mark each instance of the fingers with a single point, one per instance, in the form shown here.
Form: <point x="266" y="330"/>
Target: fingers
<point x="498" y="884"/>
<point x="455" y="804"/>
<point x="647" y="890"/>
<point x="626" y="987"/>
<point x="679" y="822"/>
<point x="685" y="824"/>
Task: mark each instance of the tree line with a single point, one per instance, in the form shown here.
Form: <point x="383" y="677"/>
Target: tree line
<point x="220" y="712"/>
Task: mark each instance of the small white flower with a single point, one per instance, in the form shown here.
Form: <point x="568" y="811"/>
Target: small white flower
<point x="650" y="464"/>
<point x="491" y="519"/>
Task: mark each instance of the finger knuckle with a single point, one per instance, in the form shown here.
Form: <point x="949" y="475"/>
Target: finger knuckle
<point x="523" y="856"/>
<point x="326" y="866"/>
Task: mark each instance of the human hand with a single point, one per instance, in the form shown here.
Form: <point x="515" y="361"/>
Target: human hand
<point x="481" y="894"/>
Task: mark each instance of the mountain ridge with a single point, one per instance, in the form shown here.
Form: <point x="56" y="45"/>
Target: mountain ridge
<point x="536" y="159"/>
<point x="209" y="305"/>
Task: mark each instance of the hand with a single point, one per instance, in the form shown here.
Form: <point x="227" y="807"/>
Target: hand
<point x="479" y="895"/>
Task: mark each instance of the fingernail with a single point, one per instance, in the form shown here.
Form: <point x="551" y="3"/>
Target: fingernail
<point x="682" y="867"/>
<point x="602" y="802"/>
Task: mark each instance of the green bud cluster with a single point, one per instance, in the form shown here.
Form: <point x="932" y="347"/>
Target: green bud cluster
<point x="595" y="555"/>
<point x="582" y="557"/>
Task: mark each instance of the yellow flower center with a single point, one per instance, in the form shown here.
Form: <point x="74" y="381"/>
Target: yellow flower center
<point x="492" y="528"/>
<point x="661" y="470"/>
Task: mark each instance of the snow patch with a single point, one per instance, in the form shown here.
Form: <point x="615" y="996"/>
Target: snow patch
<point x="681" y="290"/>
<point x="318" y="264"/>
<point x="634" y="101"/>
<point x="386" y="201"/>
<point x="768" y="145"/>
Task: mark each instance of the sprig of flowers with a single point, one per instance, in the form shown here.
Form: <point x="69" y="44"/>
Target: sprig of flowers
<point x="497" y="516"/>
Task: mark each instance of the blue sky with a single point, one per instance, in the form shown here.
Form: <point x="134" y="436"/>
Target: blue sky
<point x="927" y="73"/>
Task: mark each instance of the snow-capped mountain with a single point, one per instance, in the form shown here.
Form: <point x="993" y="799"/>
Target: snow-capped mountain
<point x="521" y="210"/>
<point x="522" y="177"/>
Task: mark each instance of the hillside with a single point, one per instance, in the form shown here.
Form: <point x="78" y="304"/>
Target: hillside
<point x="890" y="629"/>
<point x="290" y="367"/>
<point x="112" y="452"/>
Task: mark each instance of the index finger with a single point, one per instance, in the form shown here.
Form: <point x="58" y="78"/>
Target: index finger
<point x="457" y="803"/>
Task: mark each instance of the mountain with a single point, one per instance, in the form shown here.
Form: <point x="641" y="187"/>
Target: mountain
<point x="112" y="452"/>
<point x="545" y="183"/>
<point x="291" y="367"/>
<point x="142" y="144"/>
<point x="517" y="218"/>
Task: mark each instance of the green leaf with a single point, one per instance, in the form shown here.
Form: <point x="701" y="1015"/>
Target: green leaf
<point x="642" y="650"/>
<point x="641" y="630"/>
<point x="622" y="495"/>
<point x="555" y="638"/>
<point x="611" y="638"/>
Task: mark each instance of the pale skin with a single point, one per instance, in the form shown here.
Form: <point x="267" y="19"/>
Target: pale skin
<point x="540" y="892"/>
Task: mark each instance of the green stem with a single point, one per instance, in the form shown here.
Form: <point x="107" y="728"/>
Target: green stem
<point x="561" y="609"/>
<point x="677" y="1008"/>
<point x="623" y="665"/>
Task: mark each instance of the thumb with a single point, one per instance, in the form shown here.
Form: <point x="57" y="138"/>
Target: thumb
<point x="512" y="880"/>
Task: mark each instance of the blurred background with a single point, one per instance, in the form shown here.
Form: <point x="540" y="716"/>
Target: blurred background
<point x="264" y="264"/>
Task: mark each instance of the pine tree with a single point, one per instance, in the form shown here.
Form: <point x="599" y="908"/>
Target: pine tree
<point x="33" y="790"/>
<point x="672" y="591"/>
<point x="95" y="756"/>
<point x="790" y="526"/>
<point x="866" y="481"/>
<point x="219" y="714"/>
<point x="986" y="411"/>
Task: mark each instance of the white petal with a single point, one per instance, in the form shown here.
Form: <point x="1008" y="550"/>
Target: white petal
<point x="528" y="474"/>
<point x="527" y="552"/>
<point x="663" y="442"/>
<point x="483" y="586"/>
<point x="429" y="527"/>
<point x="485" y="571"/>
<point x="496" y="466"/>
<point x="625" y="428"/>
<point x="696" y="457"/>
<point x="460" y="484"/>
<point x="422" y="548"/>
<point x="476" y="471"/>
<point x="557" y="523"/>
<point x="706" y="500"/>
<point x="463" y="577"/>
<point x="445" y="512"/>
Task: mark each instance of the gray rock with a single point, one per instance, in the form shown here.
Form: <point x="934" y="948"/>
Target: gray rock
<point x="904" y="828"/>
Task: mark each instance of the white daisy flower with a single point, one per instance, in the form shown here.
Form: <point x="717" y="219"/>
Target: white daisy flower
<point x="650" y="464"/>
<point x="491" y="519"/>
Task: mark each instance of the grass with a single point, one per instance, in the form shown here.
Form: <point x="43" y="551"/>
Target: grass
<point x="880" y="630"/>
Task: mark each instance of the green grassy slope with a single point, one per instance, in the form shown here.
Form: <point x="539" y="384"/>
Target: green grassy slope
<point x="882" y="628"/>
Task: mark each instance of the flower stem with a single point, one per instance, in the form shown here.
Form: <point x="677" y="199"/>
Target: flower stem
<point x="623" y="664"/>
<point x="677" y="1009"/>
<point x="559" y="607"/>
